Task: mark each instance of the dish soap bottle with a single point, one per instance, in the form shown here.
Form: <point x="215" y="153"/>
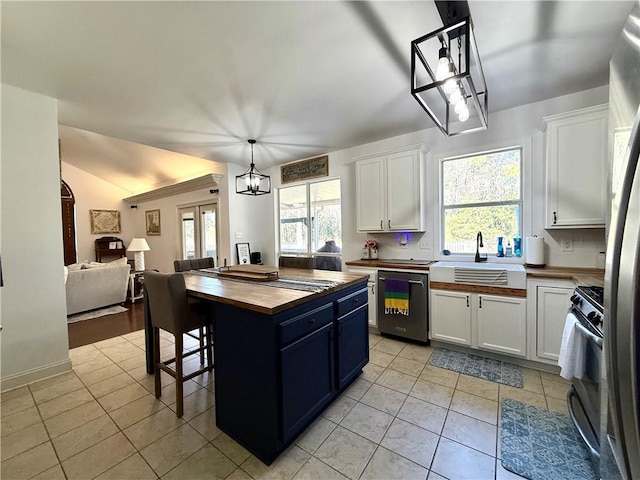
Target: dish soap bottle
<point x="500" y="248"/>
<point x="509" y="250"/>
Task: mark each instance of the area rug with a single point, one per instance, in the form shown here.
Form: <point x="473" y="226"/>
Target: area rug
<point x="100" y="312"/>
<point x="542" y="445"/>
<point x="477" y="366"/>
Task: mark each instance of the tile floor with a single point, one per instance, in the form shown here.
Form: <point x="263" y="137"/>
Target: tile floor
<point x="402" y="419"/>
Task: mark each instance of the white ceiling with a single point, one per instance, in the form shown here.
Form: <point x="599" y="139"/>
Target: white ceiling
<point x="303" y="78"/>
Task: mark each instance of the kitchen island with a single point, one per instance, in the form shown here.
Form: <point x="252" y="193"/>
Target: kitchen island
<point x="281" y="354"/>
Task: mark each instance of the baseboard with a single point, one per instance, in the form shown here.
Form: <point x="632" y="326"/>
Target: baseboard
<point x="24" y="378"/>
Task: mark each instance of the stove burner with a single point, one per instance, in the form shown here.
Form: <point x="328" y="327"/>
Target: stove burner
<point x="594" y="293"/>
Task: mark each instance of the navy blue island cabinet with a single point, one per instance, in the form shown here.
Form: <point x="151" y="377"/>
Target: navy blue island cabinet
<point x="274" y="374"/>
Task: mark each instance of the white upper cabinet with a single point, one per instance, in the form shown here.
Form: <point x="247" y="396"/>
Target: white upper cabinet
<point x="576" y="166"/>
<point x="390" y="191"/>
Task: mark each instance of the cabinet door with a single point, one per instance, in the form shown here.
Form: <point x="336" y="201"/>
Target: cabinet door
<point x="451" y="316"/>
<point x="370" y="195"/>
<point x="403" y="191"/>
<point x="353" y="345"/>
<point x="502" y="324"/>
<point x="552" y="304"/>
<point x="577" y="148"/>
<point x="307" y="379"/>
<point x="373" y="305"/>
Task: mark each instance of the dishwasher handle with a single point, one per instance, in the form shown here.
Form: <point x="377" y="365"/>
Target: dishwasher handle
<point x="415" y="282"/>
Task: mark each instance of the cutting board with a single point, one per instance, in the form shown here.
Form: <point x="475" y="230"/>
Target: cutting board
<point x="255" y="273"/>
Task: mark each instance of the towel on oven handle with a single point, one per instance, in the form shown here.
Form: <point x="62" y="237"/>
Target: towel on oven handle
<point x="396" y="296"/>
<point x="572" y="350"/>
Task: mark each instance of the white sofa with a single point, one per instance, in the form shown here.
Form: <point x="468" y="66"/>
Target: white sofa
<point x="94" y="285"/>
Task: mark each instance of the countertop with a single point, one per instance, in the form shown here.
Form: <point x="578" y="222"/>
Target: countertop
<point x="580" y="276"/>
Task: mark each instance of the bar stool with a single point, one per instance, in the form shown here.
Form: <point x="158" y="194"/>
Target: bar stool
<point x="171" y="311"/>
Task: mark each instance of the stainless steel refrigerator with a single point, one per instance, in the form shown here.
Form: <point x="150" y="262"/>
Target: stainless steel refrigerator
<point x="620" y="393"/>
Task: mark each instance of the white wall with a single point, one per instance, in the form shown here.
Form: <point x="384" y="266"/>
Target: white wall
<point x="93" y="193"/>
<point x="34" y="317"/>
<point x="517" y="126"/>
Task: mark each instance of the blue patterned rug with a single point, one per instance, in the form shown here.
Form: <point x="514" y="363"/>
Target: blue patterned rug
<point x="477" y="366"/>
<point x="542" y="445"/>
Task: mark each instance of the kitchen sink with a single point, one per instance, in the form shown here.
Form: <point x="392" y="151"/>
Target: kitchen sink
<point x="404" y="261"/>
<point x="507" y="275"/>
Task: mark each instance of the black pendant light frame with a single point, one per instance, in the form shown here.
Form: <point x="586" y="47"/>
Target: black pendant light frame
<point x="253" y="182"/>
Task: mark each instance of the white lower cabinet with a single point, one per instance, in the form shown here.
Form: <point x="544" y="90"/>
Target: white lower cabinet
<point x="489" y="322"/>
<point x="372" y="287"/>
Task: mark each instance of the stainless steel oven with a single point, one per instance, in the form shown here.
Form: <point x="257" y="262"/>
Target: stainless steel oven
<point x="415" y="325"/>
<point x="583" y="398"/>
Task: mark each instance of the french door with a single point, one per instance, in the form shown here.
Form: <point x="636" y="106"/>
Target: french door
<point x="199" y="224"/>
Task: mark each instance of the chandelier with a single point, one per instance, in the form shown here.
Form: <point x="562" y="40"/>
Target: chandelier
<point x="252" y="182"/>
<point x="446" y="73"/>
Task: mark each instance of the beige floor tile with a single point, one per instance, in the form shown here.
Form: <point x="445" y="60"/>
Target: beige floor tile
<point x="453" y="460"/>
<point x="386" y="464"/>
<point x="531" y="380"/>
<point x="400" y="382"/>
<point x="411" y="441"/>
<point x="99" y="362"/>
<point x="424" y="414"/>
<point x="207" y="463"/>
<point x="120" y="398"/>
<point x="64" y="403"/>
<point x="434" y="476"/>
<point x="73" y="418"/>
<point x="471" y="432"/>
<point x="168" y="394"/>
<point x="314" y="469"/>
<point x="432" y="392"/>
<point x="504" y="474"/>
<point x="135" y="411"/>
<point x="133" y="468"/>
<point x="99" y="458"/>
<point x="441" y="376"/>
<point x="368" y="422"/>
<point x="108" y="385"/>
<point x="51" y="392"/>
<point x="374" y="338"/>
<point x="196" y="403"/>
<point x="390" y="346"/>
<point x="23" y="440"/>
<point x="56" y="380"/>
<point x="371" y="372"/>
<point x="231" y="448"/>
<point x="555" y="389"/>
<point x="239" y="474"/>
<point x="30" y="463"/>
<point x="379" y="358"/>
<point x="384" y="399"/>
<point x="205" y="379"/>
<point x="476" y="407"/>
<point x="346" y="452"/>
<point x="556" y="405"/>
<point x="407" y="366"/>
<point x="94" y="376"/>
<point x="18" y="421"/>
<point x="84" y="354"/>
<point x="419" y="353"/>
<point x="53" y="473"/>
<point x="339" y="409"/>
<point x="15" y="393"/>
<point x="357" y="389"/>
<point x="139" y="373"/>
<point x="17" y="403"/>
<point x="109" y="342"/>
<point x="554" y="377"/>
<point x="172" y="449"/>
<point x="315" y="434"/>
<point x="130" y="358"/>
<point x="478" y="386"/>
<point x="73" y="442"/>
<point x="523" y="396"/>
<point x="283" y="468"/>
<point x="205" y="424"/>
<point x="150" y="429"/>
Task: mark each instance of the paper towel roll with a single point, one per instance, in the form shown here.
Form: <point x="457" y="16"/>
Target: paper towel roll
<point x="534" y="252"/>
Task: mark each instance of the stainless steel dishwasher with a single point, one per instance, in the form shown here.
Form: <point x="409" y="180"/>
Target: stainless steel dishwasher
<point x="414" y="326"/>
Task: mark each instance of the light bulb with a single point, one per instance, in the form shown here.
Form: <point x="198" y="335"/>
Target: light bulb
<point x="461" y="105"/>
<point x="443" y="71"/>
<point x="463" y="116"/>
<point x="455" y="97"/>
<point x="449" y="86"/>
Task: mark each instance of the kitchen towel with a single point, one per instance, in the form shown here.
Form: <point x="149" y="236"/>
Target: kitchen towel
<point x="572" y="350"/>
<point x="396" y="296"/>
<point x="534" y="251"/>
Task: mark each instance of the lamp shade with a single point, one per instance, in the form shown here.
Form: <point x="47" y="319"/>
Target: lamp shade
<point x="138" y="245"/>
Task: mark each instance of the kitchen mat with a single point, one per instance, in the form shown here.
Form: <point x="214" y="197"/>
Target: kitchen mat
<point x="477" y="366"/>
<point x="542" y="445"/>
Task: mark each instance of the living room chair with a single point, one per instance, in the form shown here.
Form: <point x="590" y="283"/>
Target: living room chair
<point x="172" y="312"/>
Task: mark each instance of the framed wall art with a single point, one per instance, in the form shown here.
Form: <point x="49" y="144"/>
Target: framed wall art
<point x="304" y="170"/>
<point x="244" y="253"/>
<point x="105" y="221"/>
<point x="153" y="222"/>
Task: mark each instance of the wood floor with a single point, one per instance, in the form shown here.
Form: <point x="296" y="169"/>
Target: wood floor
<point x="109" y="326"/>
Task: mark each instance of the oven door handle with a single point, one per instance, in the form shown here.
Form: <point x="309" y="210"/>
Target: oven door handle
<point x="591" y="336"/>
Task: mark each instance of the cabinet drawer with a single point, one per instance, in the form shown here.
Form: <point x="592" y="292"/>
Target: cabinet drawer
<point x="301" y="325"/>
<point x="353" y="301"/>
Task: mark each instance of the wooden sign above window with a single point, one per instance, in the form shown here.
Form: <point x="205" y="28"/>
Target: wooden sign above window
<point x="304" y="170"/>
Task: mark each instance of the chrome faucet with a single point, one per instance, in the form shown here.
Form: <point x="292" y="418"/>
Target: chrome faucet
<point x="478" y="245"/>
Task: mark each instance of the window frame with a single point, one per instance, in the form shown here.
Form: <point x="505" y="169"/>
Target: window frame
<point x="523" y="192"/>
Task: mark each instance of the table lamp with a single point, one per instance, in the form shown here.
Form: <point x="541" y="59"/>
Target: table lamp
<point x="138" y="246"/>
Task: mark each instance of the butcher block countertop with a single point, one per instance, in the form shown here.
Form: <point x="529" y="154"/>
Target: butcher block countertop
<point x="257" y="295"/>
